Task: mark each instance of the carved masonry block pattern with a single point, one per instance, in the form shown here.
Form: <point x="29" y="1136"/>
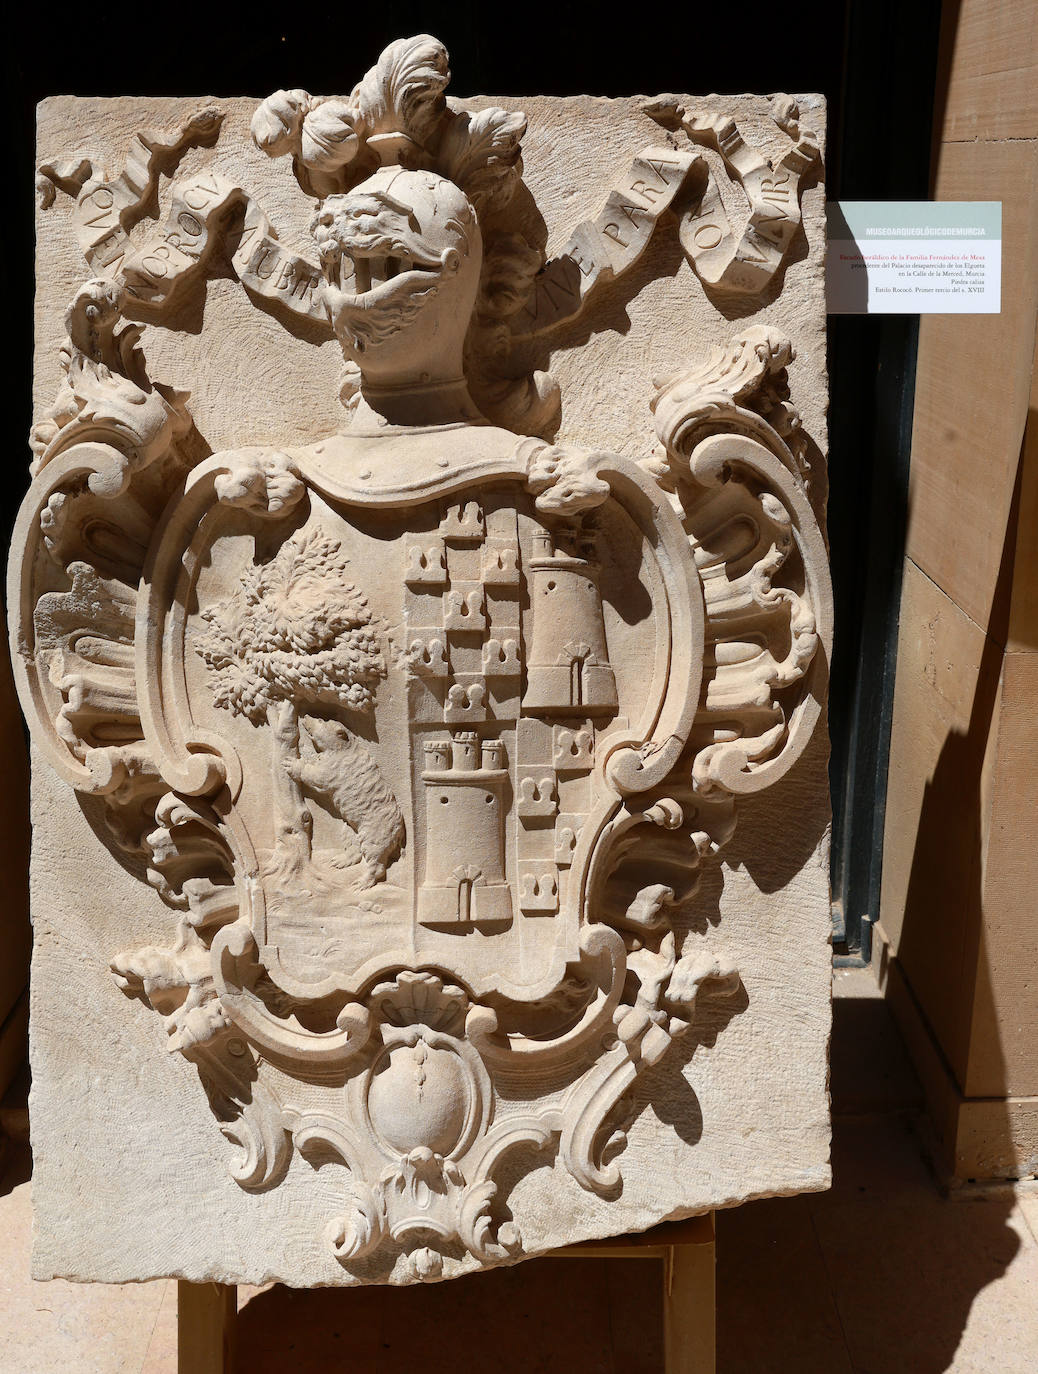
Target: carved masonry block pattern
<point x="567" y="830"/>
<point x="428" y="654"/>
<point x="462" y="523"/>
<point x="426" y="565"/>
<point x="501" y="658"/>
<point x="573" y="750"/>
<point x="536" y="796"/>
<point x="538" y="888"/>
<point x="391" y="720"/>
<point x="500" y="564"/>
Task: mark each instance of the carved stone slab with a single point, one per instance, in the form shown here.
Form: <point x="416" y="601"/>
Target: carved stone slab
<point x="421" y="611"/>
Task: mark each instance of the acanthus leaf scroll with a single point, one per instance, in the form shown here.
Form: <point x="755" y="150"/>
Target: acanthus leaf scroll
<point x="348" y="704"/>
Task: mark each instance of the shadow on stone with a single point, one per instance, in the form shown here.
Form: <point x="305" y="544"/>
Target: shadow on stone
<point x="558" y="1316"/>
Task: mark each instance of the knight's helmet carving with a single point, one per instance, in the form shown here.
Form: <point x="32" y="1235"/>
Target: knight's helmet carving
<point x="567" y="666"/>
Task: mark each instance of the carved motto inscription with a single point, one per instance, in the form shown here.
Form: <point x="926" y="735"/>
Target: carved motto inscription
<point x="427" y="733"/>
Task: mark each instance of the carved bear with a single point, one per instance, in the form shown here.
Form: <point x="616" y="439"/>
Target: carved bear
<point x="342" y="771"/>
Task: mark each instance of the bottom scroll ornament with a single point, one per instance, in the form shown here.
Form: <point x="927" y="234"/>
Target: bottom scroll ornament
<point x="419" y="1123"/>
<point x="422" y="1135"/>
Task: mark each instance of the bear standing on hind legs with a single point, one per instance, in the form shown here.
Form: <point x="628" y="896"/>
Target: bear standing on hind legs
<point x="342" y="770"/>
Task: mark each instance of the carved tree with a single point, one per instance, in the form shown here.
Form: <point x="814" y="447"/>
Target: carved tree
<point x="295" y="634"/>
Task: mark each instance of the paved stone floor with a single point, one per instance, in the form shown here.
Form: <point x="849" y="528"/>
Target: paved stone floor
<point x="882" y="1275"/>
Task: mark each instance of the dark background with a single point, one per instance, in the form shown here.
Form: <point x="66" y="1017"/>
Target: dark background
<point x="875" y="62"/>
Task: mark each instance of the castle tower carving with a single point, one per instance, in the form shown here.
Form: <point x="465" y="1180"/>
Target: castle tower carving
<point x="464" y="873"/>
<point x="568" y="671"/>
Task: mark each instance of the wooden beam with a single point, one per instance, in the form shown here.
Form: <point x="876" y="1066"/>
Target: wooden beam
<point x="689" y="1320"/>
<point x="687" y="1251"/>
<point x="207" y="1314"/>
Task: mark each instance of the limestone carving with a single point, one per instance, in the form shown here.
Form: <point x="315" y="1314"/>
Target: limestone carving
<point x="419" y="766"/>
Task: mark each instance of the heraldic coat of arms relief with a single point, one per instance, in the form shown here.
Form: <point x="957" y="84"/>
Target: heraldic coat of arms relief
<point x="422" y="742"/>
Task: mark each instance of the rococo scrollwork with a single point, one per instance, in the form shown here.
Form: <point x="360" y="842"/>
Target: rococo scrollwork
<point x="420" y="795"/>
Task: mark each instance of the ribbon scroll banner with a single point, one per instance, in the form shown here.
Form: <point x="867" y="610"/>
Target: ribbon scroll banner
<point x="207" y="211"/>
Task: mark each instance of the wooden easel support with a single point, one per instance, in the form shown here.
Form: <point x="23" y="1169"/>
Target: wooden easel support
<point x="207" y="1316"/>
<point x="207" y="1312"/>
<point x="687" y="1251"/>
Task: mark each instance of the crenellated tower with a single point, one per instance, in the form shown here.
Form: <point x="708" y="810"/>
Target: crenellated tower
<point x="465" y="871"/>
<point x="567" y="665"/>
